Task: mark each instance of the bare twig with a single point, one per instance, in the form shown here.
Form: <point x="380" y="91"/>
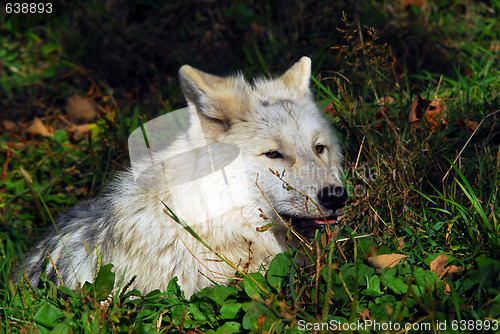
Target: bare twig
<point x="301" y="238"/>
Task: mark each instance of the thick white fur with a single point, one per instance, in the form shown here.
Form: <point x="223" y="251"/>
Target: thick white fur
<point x="139" y="238"/>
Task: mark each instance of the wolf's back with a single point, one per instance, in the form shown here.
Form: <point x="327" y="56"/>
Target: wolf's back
<point x="70" y="246"/>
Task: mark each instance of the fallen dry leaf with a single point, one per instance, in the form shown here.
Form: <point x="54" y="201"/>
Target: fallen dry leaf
<point x="365" y="314"/>
<point x="80" y="109"/>
<point x="383" y="261"/>
<point x="417" y="109"/>
<point x="436" y="114"/>
<point x="386" y="100"/>
<point x="401" y="244"/>
<point x="8" y="125"/>
<point x="466" y="123"/>
<point x="82" y="128"/>
<point x="455" y="269"/>
<point x="76" y="191"/>
<point x="257" y="29"/>
<point x="15" y="145"/>
<point x="419" y="3"/>
<point x="260" y="321"/>
<point x="329" y="109"/>
<point x="438" y="267"/>
<point x="39" y="129"/>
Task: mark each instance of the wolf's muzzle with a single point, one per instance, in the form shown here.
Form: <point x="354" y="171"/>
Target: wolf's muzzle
<point x="332" y="197"/>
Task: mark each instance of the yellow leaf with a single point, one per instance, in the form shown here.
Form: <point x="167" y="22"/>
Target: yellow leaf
<point x="383" y="261"/>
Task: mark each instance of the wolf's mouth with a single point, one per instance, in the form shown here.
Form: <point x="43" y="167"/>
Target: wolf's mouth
<point x="307" y="226"/>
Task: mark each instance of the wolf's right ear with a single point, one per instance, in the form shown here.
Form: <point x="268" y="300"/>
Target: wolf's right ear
<point x="196" y="86"/>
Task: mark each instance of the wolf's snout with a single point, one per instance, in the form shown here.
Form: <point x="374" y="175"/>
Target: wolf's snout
<point x="332" y="197"/>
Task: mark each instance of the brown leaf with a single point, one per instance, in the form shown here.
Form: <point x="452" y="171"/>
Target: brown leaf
<point x="401" y="244"/>
<point x="76" y="191"/>
<point x="419" y="3"/>
<point x="39" y="129"/>
<point x="472" y="125"/>
<point x="260" y="321"/>
<point x="435" y="114"/>
<point x="365" y="314"/>
<point x="417" y="109"/>
<point x="257" y="29"/>
<point x="15" y="145"/>
<point x="383" y="261"/>
<point x="80" y="109"/>
<point x="466" y="123"/>
<point x="386" y="100"/>
<point x="455" y="269"/>
<point x="82" y="128"/>
<point x="8" y="125"/>
<point x="438" y="267"/>
<point x="329" y="109"/>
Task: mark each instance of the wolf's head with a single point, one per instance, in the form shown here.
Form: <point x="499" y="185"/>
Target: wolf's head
<point x="276" y="125"/>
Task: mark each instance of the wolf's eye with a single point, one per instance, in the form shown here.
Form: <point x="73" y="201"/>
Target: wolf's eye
<point x="273" y="154"/>
<point x="320" y="148"/>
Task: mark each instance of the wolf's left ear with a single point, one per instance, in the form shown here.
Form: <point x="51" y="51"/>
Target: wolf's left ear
<point x="298" y="76"/>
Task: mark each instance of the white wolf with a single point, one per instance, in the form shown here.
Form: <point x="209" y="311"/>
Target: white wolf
<point x="262" y="125"/>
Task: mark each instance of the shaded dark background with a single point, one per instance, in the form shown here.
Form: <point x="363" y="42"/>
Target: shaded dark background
<point x="135" y="47"/>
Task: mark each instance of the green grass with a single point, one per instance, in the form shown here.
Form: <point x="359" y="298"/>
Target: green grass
<point x="416" y="190"/>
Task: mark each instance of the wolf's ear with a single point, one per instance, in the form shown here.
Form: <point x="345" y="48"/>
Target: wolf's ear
<point x="298" y="76"/>
<point x="215" y="97"/>
<point x="197" y="85"/>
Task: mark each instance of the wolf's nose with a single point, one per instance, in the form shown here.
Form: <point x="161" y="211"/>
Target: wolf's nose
<point x="332" y="197"/>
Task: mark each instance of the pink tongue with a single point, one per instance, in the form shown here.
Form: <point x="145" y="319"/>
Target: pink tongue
<point x="322" y="221"/>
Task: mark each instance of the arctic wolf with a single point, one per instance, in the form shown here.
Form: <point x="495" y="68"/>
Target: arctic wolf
<point x="216" y="177"/>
